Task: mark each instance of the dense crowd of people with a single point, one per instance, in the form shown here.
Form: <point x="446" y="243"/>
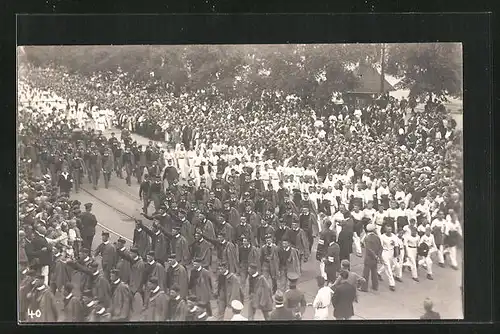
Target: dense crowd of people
<point x="242" y="190"/>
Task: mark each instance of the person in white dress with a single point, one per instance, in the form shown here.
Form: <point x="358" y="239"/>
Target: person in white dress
<point x="182" y="161"/>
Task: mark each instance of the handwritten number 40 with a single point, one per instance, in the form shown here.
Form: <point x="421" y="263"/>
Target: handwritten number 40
<point x="36" y="314"/>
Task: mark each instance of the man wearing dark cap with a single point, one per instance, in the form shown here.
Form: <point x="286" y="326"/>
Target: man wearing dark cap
<point x="43" y="300"/>
<point x="89" y="303"/>
<point x="201" y="250"/>
<point x="122" y="265"/>
<point x="81" y="273"/>
<point x="73" y="307"/>
<point x="159" y="242"/>
<point x="243" y="229"/>
<point x="231" y="214"/>
<point x="121" y="301"/>
<point x="88" y="224"/>
<point x="26" y="285"/>
<point x="108" y="254"/>
<point x="280" y="313"/>
<point x="195" y="311"/>
<point x="178" y="245"/>
<point x="178" y="308"/>
<point x="153" y="269"/>
<point x="294" y="298"/>
<point x="260" y="293"/>
<point x="247" y="254"/>
<point x="141" y="239"/>
<point x="158" y="305"/>
<point x="343" y="298"/>
<point x="144" y="193"/>
<point x="137" y="270"/>
<point x="288" y="262"/>
<point x="226" y="252"/>
<point x="228" y="289"/>
<point x="101" y="289"/>
<point x="224" y="228"/>
<point x="200" y="285"/>
<point x="176" y="274"/>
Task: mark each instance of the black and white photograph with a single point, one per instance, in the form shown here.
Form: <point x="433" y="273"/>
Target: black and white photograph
<point x="241" y="182"/>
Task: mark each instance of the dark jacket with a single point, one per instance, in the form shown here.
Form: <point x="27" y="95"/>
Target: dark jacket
<point x="280" y="314"/>
<point x="342" y="300"/>
<point x="88" y="223"/>
<point x="44" y="256"/>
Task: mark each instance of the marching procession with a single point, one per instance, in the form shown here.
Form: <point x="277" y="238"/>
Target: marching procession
<point x="234" y="204"/>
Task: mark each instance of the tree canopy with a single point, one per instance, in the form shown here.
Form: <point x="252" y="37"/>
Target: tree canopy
<point x="312" y="72"/>
<point x="427" y="69"/>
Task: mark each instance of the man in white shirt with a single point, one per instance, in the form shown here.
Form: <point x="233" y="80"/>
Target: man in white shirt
<point x="322" y="300"/>
<point x="389" y="242"/>
<point x="452" y="231"/>
<point x="411" y="241"/>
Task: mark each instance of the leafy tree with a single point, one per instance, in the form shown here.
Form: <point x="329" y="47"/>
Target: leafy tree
<point x="427" y="69"/>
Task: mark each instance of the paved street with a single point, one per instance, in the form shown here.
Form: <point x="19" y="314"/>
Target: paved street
<point x="406" y="303"/>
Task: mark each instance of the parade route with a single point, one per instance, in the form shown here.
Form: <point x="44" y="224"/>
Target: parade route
<point x="116" y="207"/>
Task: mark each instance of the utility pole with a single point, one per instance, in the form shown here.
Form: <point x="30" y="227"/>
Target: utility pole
<point x="382" y="70"/>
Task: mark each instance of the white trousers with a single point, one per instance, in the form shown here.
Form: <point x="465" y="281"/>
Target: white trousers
<point x="388" y="260"/>
<point x="440" y="254"/>
<point x="339" y="229"/>
<point x="427" y="262"/>
<point x="322" y="270"/>
<point x="321" y="314"/>
<point x="357" y="244"/>
<point x="398" y="264"/>
<point x="45" y="273"/>
<point x="412" y="261"/>
<point x="452" y="253"/>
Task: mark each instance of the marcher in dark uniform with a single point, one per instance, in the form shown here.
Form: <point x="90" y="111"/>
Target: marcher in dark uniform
<point x="294" y="298"/>
<point x="88" y="224"/>
<point x="108" y="162"/>
<point x="77" y="170"/>
<point x="144" y="193"/>
<point x="95" y="165"/>
<point x="128" y="161"/>
<point x="108" y="254"/>
<point x="373" y="253"/>
<point x="155" y="192"/>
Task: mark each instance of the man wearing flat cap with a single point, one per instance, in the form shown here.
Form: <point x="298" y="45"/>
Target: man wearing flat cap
<point x="88" y="224"/>
<point x="201" y="250"/>
<point x="121" y="300"/>
<point x="101" y="289"/>
<point x="176" y="274"/>
<point x="122" y="265"/>
<point x="200" y="285"/>
<point x="158" y="305"/>
<point x="42" y="299"/>
<point x="260" y="291"/>
<point x="141" y="239"/>
<point x="178" y="307"/>
<point x="153" y="269"/>
<point x="228" y="289"/>
<point x="108" y="254"/>
<point x="73" y="306"/>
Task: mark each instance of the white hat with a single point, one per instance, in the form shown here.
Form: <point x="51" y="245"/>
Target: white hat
<point x="370" y="227"/>
<point x="237" y="305"/>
